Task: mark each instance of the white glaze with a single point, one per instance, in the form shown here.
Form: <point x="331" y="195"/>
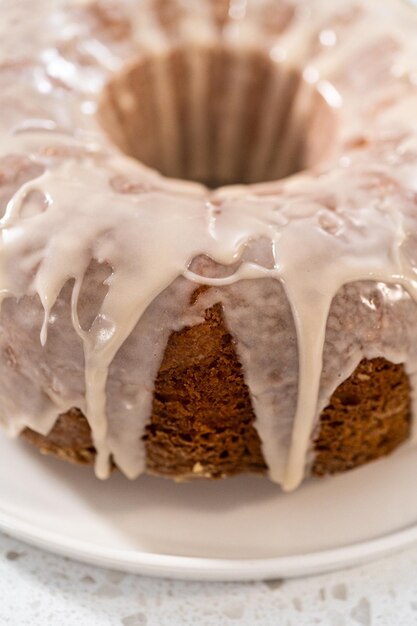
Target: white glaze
<point x="350" y="221"/>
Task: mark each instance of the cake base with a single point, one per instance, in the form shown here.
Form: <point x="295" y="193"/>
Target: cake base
<point x="202" y="421"/>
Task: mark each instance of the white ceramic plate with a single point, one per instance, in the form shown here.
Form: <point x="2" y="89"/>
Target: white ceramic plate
<point x="238" y="529"/>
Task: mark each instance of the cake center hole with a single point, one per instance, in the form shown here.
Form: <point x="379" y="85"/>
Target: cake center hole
<point x="217" y="116"/>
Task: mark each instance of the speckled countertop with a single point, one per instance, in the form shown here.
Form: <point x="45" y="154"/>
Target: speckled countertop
<point x="37" y="589"/>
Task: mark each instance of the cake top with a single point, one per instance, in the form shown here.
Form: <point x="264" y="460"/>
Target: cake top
<point x="71" y="196"/>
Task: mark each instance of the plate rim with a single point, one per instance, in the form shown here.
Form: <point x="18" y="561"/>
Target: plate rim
<point x="206" y="568"/>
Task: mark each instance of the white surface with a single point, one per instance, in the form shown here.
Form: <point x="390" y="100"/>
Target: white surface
<point x="237" y="529"/>
<point x="40" y="589"/>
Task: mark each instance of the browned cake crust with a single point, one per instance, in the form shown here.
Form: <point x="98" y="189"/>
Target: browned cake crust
<point x="202" y="417"/>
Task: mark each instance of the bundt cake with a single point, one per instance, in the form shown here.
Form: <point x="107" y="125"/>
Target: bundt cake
<point x="208" y="236"/>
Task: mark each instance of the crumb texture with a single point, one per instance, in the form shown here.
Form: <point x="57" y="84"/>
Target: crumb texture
<point x="202" y="422"/>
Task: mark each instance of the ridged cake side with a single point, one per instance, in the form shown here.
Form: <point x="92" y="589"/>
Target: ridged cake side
<point x="202" y="417"/>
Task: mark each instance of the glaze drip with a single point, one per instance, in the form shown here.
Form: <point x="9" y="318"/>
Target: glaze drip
<point x="294" y="245"/>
